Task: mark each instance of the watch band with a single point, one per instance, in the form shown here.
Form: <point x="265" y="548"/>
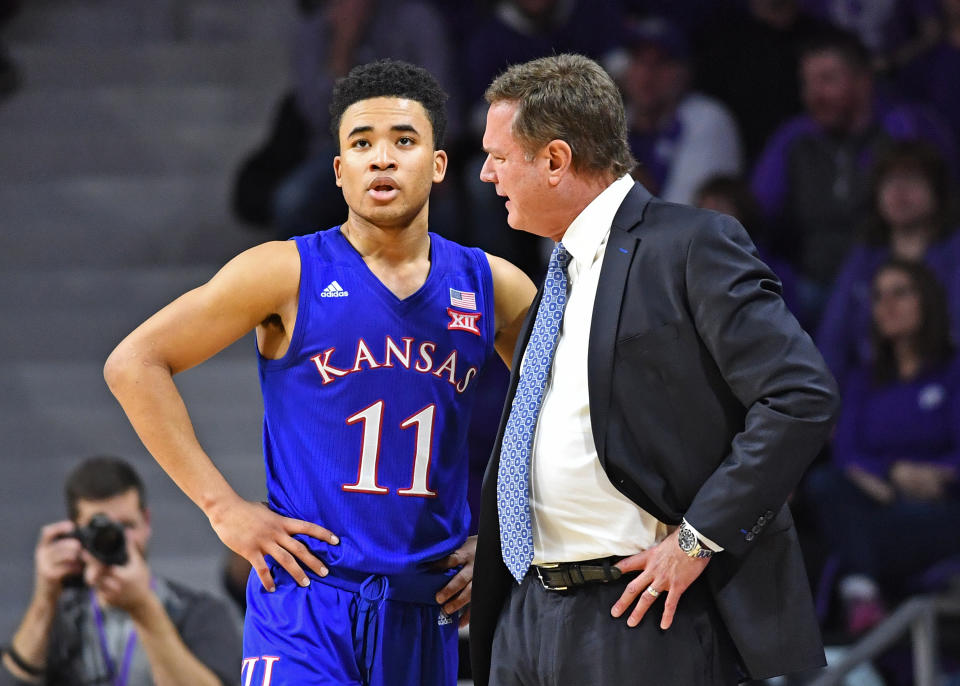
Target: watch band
<point x="691" y="544"/>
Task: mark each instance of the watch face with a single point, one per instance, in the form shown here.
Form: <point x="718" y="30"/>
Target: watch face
<point x="686" y="539"/>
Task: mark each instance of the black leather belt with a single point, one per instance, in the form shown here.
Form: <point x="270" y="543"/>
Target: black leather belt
<point x="561" y="576"/>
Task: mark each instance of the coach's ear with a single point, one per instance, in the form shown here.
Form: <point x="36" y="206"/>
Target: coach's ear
<point x="559" y="156"/>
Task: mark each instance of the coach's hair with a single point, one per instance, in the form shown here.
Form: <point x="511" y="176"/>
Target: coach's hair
<point x="570" y="98"/>
<point x="100" y="478"/>
<point x="390" y="79"/>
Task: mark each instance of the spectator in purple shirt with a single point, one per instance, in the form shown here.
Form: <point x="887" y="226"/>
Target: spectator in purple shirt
<point x="912" y="219"/>
<point x="812" y="181"/>
<point x="890" y="506"/>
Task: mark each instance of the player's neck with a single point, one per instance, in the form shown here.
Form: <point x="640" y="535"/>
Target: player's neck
<point x="386" y="243"/>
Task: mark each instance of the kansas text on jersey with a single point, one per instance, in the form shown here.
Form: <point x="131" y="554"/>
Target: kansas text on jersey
<point x="366" y="415"/>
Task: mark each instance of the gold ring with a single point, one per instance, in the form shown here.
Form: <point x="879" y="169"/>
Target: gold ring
<point x="652" y="591"/>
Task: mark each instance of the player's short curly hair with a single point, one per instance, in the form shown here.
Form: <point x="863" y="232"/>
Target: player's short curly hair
<point x="390" y="79"/>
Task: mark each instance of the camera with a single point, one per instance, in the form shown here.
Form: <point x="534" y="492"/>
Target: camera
<point x="103" y="538"/>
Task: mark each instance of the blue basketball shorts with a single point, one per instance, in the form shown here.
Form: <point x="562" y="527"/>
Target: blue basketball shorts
<point x="348" y="629"/>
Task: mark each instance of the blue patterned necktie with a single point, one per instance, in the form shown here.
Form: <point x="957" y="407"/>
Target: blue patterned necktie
<point x="513" y="475"/>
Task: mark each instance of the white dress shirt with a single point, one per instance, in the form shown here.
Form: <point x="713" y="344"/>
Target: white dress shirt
<point x="577" y="512"/>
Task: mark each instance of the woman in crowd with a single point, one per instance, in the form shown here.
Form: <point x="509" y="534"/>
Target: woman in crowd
<point x="890" y="504"/>
<point x="911" y="220"/>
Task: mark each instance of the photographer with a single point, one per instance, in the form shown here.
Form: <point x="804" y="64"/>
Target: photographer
<point x="97" y="618"/>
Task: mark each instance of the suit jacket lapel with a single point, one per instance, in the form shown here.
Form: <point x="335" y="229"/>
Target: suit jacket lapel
<point x="617" y="259"/>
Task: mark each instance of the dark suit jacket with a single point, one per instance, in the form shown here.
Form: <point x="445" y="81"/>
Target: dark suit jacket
<point x="707" y="401"/>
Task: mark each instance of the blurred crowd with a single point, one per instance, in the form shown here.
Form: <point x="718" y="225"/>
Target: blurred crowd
<point x="829" y="128"/>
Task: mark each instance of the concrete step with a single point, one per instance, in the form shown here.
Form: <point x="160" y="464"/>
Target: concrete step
<point x="137" y="110"/>
<point x="62" y="407"/>
<point x="260" y="63"/>
<point x="94" y="22"/>
<point x="42" y="156"/>
<point x="120" y="221"/>
<point x="81" y="314"/>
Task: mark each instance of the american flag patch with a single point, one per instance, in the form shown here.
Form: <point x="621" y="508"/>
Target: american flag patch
<point x="464" y="299"/>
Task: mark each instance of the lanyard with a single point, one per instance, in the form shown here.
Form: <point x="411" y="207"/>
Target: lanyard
<point x="118" y="679"/>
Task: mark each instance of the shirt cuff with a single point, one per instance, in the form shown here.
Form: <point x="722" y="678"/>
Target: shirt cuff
<point x="703" y="539"/>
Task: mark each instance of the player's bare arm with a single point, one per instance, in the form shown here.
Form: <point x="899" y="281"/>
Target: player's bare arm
<point x="257" y="289"/>
<point x="513" y="291"/>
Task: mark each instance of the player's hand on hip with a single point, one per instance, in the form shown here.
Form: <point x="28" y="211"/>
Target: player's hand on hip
<point x="456" y="594"/>
<point x="253" y="531"/>
<point x="666" y="571"/>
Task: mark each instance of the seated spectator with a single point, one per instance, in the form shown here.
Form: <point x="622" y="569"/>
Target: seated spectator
<point x="932" y="76"/>
<point x="330" y="41"/>
<point x="812" y="180"/>
<point x="97" y="619"/>
<point x="731" y="195"/>
<point x="890" y="504"/>
<point x="765" y="72"/>
<point x="910" y="219"/>
<point x="679" y="137"/>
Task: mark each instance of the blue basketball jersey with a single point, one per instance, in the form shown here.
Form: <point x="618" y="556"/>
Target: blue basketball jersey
<point x="366" y="415"/>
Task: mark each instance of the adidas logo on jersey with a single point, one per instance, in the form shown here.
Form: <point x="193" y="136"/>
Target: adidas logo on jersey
<point x="334" y="291"/>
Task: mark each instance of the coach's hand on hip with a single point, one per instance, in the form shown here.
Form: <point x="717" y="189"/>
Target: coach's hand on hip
<point x="667" y="571"/>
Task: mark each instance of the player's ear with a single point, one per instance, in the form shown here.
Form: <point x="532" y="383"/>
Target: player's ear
<point x="439" y="165"/>
<point x="336" y="171"/>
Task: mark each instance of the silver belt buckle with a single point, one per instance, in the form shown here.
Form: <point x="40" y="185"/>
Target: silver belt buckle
<point x="543" y="582"/>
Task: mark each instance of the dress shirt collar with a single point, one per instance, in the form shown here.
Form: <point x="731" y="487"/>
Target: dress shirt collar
<point x="588" y="232"/>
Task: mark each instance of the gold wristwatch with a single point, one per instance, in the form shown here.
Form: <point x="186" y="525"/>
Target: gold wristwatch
<point x="690" y="544"/>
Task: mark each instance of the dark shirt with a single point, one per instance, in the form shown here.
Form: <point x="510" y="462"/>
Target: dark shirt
<point x="813" y="186"/>
<point x="745" y="62"/>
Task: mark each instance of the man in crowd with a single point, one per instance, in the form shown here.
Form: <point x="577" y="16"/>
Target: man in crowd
<point x="90" y="622"/>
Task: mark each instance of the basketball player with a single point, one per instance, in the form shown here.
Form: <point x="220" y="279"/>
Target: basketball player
<point x="371" y="336"/>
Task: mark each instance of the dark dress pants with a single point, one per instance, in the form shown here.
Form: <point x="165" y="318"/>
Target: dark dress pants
<point x="569" y="638"/>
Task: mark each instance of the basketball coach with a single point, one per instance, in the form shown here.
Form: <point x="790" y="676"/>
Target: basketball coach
<point x="663" y="405"/>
